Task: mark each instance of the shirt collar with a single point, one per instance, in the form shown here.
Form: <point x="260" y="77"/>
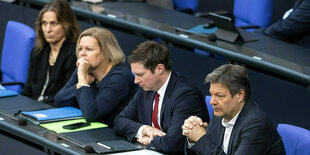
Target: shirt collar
<point x="231" y="122"/>
<point x="162" y="89"/>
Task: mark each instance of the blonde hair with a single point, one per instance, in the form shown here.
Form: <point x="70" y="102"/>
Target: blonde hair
<point x="107" y="42"/>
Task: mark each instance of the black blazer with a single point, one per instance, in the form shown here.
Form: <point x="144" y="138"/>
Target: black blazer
<point x="253" y="134"/>
<point x="59" y="75"/>
<point x="295" y="26"/>
<point x="181" y="100"/>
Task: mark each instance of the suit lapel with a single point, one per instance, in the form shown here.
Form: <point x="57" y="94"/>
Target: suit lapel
<point x="238" y="126"/>
<point x="221" y="137"/>
<point x="216" y="129"/>
<point x="168" y="92"/>
<point x="149" y="107"/>
<point x="232" y="138"/>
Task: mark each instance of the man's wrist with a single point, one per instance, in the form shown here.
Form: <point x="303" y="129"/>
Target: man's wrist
<point x="139" y="132"/>
<point x="190" y="143"/>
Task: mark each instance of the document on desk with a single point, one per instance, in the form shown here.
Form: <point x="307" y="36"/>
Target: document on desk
<point x="58" y="126"/>
<point x="52" y="115"/>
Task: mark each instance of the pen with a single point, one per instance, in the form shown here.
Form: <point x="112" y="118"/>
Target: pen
<point x="108" y="147"/>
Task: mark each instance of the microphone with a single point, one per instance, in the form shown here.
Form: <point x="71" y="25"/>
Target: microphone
<point x="22" y="121"/>
<point x="89" y="149"/>
<point x="212" y="37"/>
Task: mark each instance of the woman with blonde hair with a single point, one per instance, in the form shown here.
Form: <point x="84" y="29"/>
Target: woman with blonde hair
<point x="102" y="84"/>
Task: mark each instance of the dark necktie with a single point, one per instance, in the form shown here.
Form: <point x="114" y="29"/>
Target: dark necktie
<point x="155" y="111"/>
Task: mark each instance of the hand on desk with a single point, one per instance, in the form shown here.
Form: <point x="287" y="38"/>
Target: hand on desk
<point x="148" y="133"/>
<point x="144" y="140"/>
<point x="194" y="128"/>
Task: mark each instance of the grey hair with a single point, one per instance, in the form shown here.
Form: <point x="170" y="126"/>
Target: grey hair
<point x="234" y="77"/>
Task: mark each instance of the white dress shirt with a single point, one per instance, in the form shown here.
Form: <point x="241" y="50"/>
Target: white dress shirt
<point x="161" y="91"/>
<point x="228" y="129"/>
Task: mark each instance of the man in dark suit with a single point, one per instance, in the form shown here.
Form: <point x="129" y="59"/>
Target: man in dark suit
<point x="237" y="125"/>
<point x="294" y="27"/>
<point x="163" y="101"/>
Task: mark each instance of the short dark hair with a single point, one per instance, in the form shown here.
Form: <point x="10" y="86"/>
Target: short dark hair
<point x="235" y="77"/>
<point x="150" y="54"/>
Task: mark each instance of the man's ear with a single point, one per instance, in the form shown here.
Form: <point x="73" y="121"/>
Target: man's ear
<point x="160" y="68"/>
<point x="241" y="95"/>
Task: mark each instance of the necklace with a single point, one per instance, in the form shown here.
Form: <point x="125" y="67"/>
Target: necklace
<point x="53" y="60"/>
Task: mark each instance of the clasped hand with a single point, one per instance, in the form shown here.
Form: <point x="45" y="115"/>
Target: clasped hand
<point x="148" y="133"/>
<point x="194" y="128"/>
<point x="84" y="76"/>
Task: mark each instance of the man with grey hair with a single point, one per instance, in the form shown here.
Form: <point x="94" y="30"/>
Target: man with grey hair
<point x="238" y="125"/>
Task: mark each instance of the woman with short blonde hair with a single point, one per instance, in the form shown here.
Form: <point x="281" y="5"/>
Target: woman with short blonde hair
<point x="103" y="84"/>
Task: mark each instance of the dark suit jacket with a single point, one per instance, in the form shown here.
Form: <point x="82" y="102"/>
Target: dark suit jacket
<point x="295" y="26"/>
<point x="253" y="134"/>
<point x="103" y="101"/>
<point x="181" y="100"/>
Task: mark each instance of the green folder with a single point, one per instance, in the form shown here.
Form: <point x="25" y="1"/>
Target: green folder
<point x="57" y="126"/>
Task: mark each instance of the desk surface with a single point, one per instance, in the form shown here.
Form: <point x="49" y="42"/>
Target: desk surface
<point x="276" y="57"/>
<point x="65" y="143"/>
<point x="155" y="13"/>
<point x="172" y="18"/>
<point x="270" y="50"/>
<point x="30" y="132"/>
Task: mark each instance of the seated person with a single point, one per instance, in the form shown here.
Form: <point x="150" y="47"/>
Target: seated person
<point x="294" y="27"/>
<point x="102" y="84"/>
<point x="238" y="125"/>
<point x="163" y="101"/>
<point x="52" y="60"/>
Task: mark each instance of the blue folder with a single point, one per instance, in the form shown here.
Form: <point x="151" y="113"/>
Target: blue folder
<point x="5" y="92"/>
<point x="52" y="115"/>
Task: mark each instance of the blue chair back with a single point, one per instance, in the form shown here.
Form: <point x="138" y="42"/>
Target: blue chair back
<point x="209" y="106"/>
<point x="17" y="45"/>
<point x="186" y="4"/>
<point x="296" y="139"/>
<point x="253" y="12"/>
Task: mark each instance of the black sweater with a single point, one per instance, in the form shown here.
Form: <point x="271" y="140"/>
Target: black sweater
<point x="59" y="74"/>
